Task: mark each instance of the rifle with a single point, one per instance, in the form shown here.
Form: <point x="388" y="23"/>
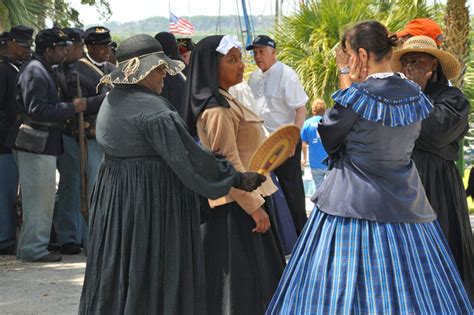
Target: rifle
<point x="82" y="160"/>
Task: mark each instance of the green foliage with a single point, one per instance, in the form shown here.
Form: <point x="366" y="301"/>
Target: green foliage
<point x="15" y="12"/>
<point x="469" y="81"/>
<point x="102" y="6"/>
<point x="35" y="12"/>
<point x="63" y="15"/>
<point x="308" y="39"/>
<point x="468" y="90"/>
<point x="469" y="76"/>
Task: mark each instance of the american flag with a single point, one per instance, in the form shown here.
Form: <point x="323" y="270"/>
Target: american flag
<point x="180" y="26"/>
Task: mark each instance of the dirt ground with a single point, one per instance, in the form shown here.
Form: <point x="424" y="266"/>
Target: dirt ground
<point x="47" y="288"/>
<point x="41" y="288"/>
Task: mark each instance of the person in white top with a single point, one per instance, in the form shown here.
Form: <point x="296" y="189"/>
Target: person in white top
<point x="282" y="100"/>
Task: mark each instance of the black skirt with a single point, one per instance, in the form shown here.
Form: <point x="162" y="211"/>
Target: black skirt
<point x="145" y="253"/>
<point x="444" y="188"/>
<point x="242" y="268"/>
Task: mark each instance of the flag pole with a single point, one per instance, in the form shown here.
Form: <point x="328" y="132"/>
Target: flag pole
<point x="189" y="11"/>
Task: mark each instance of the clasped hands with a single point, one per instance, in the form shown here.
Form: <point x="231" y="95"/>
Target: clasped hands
<point x="250" y="181"/>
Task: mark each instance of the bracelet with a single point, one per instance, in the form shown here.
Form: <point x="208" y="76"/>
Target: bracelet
<point x="344" y="70"/>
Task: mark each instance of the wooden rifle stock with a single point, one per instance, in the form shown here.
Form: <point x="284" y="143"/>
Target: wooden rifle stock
<point x="83" y="160"/>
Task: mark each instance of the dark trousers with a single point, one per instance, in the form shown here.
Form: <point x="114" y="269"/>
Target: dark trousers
<point x="290" y="178"/>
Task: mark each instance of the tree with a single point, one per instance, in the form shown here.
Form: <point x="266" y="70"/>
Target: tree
<point x="35" y="12"/>
<point x="64" y="15"/>
<point x="307" y="40"/>
<point x="467" y="83"/>
<point x="469" y="76"/>
<point x="457" y="30"/>
<point x="14" y="12"/>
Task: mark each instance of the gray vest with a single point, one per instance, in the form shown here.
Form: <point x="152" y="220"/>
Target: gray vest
<point x="375" y="179"/>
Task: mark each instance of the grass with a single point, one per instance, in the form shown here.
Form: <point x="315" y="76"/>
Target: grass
<point x="470" y="202"/>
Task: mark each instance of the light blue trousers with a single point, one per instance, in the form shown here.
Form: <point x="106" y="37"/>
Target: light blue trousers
<point x="37" y="174"/>
<point x="319" y="175"/>
<point x="68" y="222"/>
<point x="8" y="193"/>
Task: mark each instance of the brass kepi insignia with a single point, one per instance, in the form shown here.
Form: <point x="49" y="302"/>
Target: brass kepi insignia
<point x="62" y="34"/>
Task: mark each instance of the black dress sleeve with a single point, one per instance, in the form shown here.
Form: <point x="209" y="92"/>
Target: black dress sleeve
<point x="334" y="127"/>
<point x="196" y="167"/>
<point x="448" y="122"/>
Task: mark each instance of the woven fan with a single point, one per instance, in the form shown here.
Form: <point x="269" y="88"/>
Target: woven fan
<point x="275" y="150"/>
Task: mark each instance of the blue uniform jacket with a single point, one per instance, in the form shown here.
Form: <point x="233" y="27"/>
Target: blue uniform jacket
<point x="38" y="96"/>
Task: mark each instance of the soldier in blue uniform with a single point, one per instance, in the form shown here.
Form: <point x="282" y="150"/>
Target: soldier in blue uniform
<point x="17" y="45"/>
<point x="67" y="220"/>
<point x="36" y="138"/>
<point x="89" y="67"/>
<point x="3" y="44"/>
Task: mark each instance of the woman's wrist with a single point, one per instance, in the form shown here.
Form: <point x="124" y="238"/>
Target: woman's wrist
<point x="344" y="69"/>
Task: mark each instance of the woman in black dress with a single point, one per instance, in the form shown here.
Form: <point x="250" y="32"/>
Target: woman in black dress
<point x="242" y="254"/>
<point x="437" y="147"/>
<point x="145" y="253"/>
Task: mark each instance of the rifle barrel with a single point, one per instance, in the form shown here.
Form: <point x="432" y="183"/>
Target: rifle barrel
<point x="82" y="159"/>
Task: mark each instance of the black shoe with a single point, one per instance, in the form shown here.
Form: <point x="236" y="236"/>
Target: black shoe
<point x="10" y="250"/>
<point x="51" y="257"/>
<point x="70" y="249"/>
<point x="53" y="247"/>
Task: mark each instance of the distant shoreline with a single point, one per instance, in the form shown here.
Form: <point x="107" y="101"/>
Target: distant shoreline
<point x="204" y="25"/>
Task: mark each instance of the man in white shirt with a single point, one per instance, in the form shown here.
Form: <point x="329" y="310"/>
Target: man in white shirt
<point x="282" y="100"/>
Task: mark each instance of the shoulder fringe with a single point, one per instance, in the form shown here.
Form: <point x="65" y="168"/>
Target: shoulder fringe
<point x="399" y="112"/>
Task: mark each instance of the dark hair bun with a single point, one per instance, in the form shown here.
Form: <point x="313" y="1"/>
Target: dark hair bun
<point x="393" y="40"/>
<point x="371" y="36"/>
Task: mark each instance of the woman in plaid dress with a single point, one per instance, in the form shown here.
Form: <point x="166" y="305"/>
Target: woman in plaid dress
<point x="372" y="244"/>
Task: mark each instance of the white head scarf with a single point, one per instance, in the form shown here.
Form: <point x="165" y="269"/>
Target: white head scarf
<point x="227" y="43"/>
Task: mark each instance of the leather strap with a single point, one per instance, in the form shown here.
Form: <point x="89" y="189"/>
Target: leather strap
<point x="92" y="66"/>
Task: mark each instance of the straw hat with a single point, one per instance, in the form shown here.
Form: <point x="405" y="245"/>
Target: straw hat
<point x="138" y="56"/>
<point x="425" y="44"/>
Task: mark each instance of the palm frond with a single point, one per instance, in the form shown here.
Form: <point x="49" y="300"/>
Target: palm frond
<point x="26" y="12"/>
<point x="307" y="40"/>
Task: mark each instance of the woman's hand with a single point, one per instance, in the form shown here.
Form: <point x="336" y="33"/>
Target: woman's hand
<point x="358" y="71"/>
<point x="343" y="62"/>
<point x="262" y="221"/>
<point x="342" y="57"/>
<point x="418" y="75"/>
<point x="248" y="181"/>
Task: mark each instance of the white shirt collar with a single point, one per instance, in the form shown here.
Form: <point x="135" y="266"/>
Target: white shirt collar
<point x="99" y="64"/>
<point x="274" y="67"/>
<point x="380" y="75"/>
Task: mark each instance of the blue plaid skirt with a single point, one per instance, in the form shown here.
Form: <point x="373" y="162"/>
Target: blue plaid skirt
<point x="351" y="266"/>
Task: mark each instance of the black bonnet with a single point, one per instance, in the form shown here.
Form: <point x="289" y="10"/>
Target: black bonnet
<point x="137" y="46"/>
<point x="168" y="42"/>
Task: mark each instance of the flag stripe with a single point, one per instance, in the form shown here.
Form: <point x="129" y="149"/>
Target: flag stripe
<point x="180" y="26"/>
